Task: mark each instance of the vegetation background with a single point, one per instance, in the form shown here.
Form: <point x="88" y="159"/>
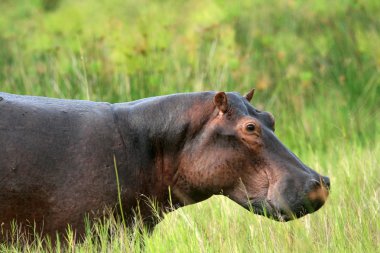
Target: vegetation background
<point x="315" y="65"/>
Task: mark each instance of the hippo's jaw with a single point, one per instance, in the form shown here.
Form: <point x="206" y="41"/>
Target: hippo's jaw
<point x="311" y="202"/>
<point x="266" y="208"/>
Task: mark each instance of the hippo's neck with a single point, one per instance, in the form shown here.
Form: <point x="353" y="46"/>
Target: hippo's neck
<point x="154" y="131"/>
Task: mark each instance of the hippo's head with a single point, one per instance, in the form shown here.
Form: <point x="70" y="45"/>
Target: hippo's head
<point x="237" y="154"/>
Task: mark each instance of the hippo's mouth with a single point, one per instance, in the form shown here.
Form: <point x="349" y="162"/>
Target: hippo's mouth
<point x="267" y="208"/>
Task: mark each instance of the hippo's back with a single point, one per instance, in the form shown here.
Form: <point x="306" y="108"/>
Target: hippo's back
<point x="56" y="158"/>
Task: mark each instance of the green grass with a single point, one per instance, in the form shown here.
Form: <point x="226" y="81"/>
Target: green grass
<point x="315" y="65"/>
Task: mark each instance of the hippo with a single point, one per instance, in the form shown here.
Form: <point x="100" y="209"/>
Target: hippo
<point x="62" y="160"/>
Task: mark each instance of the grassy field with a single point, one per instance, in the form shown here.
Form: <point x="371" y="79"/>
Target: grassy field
<point x="315" y="65"/>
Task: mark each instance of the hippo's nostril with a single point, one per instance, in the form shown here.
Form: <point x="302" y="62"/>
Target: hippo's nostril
<point x="326" y="182"/>
<point x="322" y="182"/>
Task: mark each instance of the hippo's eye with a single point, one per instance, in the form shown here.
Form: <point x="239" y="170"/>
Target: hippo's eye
<point x="250" y="127"/>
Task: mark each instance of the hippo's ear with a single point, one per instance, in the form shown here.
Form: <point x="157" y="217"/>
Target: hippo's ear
<point x="249" y="95"/>
<point x="220" y="100"/>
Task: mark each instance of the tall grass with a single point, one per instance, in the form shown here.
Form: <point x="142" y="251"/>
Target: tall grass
<point x="315" y="65"/>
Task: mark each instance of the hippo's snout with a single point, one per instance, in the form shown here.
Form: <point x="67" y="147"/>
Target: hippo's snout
<point x="285" y="207"/>
<point x="317" y="194"/>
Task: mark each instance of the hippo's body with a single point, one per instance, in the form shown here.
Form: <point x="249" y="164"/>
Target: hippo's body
<point x="57" y="157"/>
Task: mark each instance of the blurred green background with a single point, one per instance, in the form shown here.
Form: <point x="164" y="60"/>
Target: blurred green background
<point x="315" y="65"/>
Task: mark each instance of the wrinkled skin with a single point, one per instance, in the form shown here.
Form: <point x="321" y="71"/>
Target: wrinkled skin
<point x="57" y="159"/>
